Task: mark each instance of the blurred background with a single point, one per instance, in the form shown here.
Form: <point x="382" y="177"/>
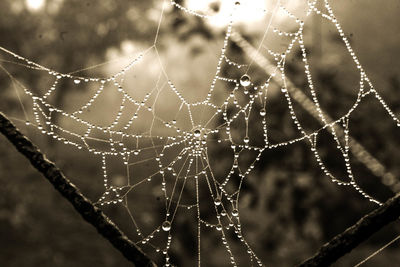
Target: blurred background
<point x="288" y="207"/>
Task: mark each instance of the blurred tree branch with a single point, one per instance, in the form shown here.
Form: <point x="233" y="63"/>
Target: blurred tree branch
<point x="357" y="149"/>
<point x="82" y="205"/>
<point x="356" y="234"/>
<point x="370" y="223"/>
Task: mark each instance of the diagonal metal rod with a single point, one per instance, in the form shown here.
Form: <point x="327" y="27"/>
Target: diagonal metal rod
<point x="369" y="224"/>
<point x="70" y="192"/>
<point x="356" y="234"/>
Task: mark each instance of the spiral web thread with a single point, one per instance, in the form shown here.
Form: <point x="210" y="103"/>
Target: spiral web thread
<point x="178" y="146"/>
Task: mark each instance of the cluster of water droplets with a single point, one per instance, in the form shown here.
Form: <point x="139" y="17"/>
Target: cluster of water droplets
<point x="193" y="160"/>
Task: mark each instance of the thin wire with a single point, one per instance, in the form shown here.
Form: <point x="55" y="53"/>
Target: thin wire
<point x="16" y="91"/>
<point x="265" y="33"/>
<point x="117" y="59"/>
<point x="378" y="251"/>
<point x="159" y="23"/>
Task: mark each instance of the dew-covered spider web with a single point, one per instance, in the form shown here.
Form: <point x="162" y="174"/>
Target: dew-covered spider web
<point x="163" y="141"/>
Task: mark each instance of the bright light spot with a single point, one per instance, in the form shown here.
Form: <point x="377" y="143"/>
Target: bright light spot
<point x="34" y="4"/>
<point x="128" y="47"/>
<point x="248" y="12"/>
<point x="199" y="5"/>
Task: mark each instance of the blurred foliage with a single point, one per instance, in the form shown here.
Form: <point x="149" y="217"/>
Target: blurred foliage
<point x="288" y="208"/>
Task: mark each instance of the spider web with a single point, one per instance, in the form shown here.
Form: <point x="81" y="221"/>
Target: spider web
<point x="164" y="142"/>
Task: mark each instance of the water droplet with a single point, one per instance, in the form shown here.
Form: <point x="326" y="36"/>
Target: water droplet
<point x="166" y="226"/>
<point x="263" y="112"/>
<point x="235" y="213"/>
<point x="77" y="81"/>
<point x="173" y="121"/>
<point x="246" y="140"/>
<point x="218" y="227"/>
<point x="217" y="201"/>
<point x="197" y="133"/>
<point x="237" y="3"/>
<point x="245" y="80"/>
